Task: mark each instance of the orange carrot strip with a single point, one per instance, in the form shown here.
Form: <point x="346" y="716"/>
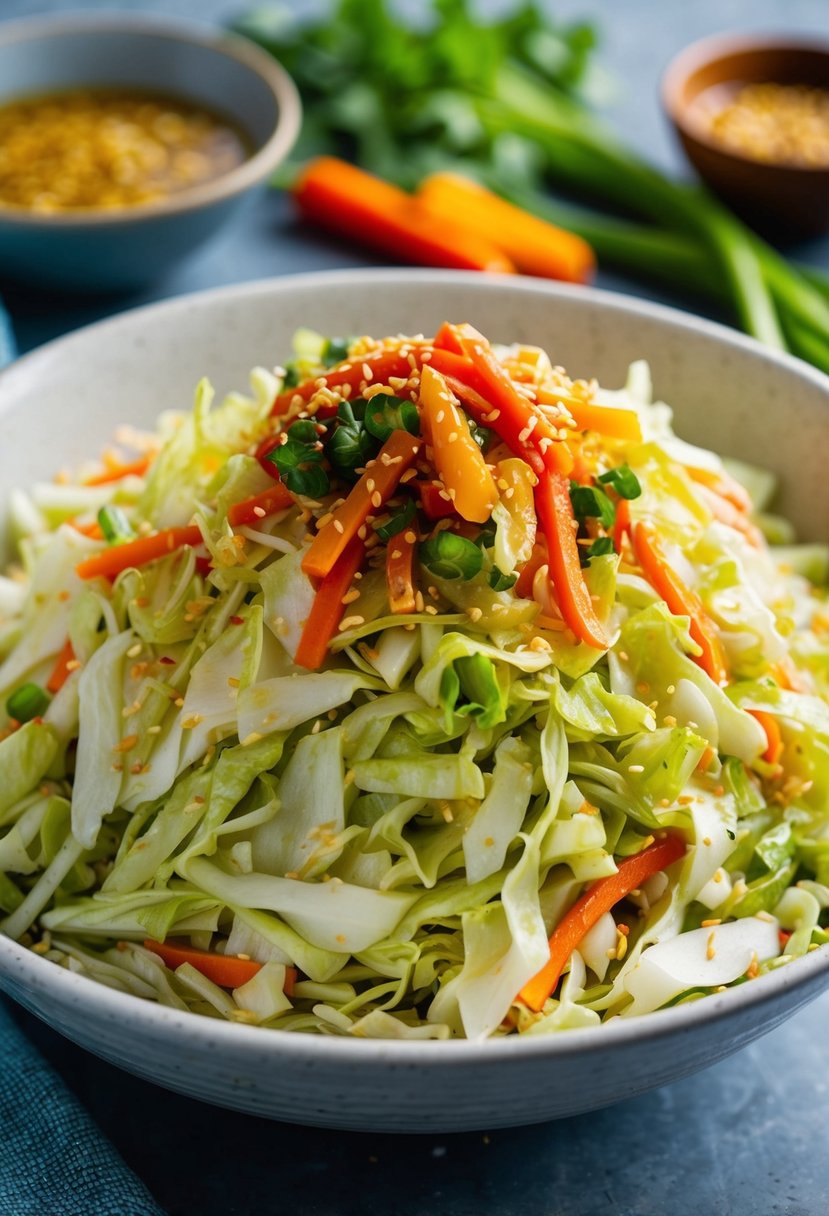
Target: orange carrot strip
<point x="344" y="199"/>
<point x="538" y="558"/>
<point x="681" y="600"/>
<point x="251" y="510"/>
<point x="224" y="970"/>
<point x="328" y="609"/>
<point x="555" y="516"/>
<point x="706" y="760"/>
<point x="134" y="468"/>
<point x="61" y="670"/>
<point x="785" y="673"/>
<point x="774" y="739"/>
<point x="112" y="561"/>
<point x="621" y="528"/>
<point x="447" y="339"/>
<point x="591" y="907"/>
<point x="725" y="512"/>
<point x="613" y="422"/>
<point x="376" y="485"/>
<point x="459" y="461"/>
<point x="535" y="246"/>
<point x="724" y="484"/>
<point x="380" y="363"/>
<point x="400" y="553"/>
<point x="92" y="530"/>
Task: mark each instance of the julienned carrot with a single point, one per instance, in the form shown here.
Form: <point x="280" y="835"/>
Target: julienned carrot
<point x="555" y="517"/>
<point x="722" y="483"/>
<point x="62" y="669"/>
<point x="328" y="609"/>
<point x="110" y="562"/>
<point x="535" y="246"/>
<point x="538" y="558"/>
<point x="787" y="676"/>
<point x="458" y="458"/>
<point x="374" y="367"/>
<point x="774" y="739"/>
<point x="614" y="422"/>
<point x="251" y="510"/>
<point x="681" y="599"/>
<point x="374" y="488"/>
<point x="725" y="512"/>
<point x="400" y="552"/>
<point x="116" y="470"/>
<point x="225" y="970"/>
<point x="92" y="529"/>
<point x="591" y="907"/>
<point x="346" y="200"/>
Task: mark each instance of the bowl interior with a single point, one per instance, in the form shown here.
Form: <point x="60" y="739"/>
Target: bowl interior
<point x="43" y="57"/>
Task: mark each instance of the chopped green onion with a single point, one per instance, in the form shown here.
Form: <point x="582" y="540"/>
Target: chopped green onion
<point x="385" y="414"/>
<point x="589" y="502"/>
<point x="601" y="547"/>
<point x="397" y="522"/>
<point x="450" y="556"/>
<point x="623" y="480"/>
<point x="27" y="702"/>
<point x="336" y="351"/>
<point x="501" y="582"/>
<point x="115" y="525"/>
<point x="481" y="434"/>
<point x="486" y="537"/>
<point x="292" y="377"/>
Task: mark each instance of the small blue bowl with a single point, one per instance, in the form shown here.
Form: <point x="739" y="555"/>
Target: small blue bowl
<point x="99" y="250"/>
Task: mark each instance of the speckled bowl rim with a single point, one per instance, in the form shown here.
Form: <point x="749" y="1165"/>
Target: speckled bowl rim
<point x="719" y="46"/>
<point x="37" y="975"/>
<point x="253" y="170"/>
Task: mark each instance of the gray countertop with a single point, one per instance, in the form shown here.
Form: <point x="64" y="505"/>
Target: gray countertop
<point x="747" y="1137"/>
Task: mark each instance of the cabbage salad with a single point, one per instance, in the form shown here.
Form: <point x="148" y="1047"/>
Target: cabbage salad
<point x="422" y="693"/>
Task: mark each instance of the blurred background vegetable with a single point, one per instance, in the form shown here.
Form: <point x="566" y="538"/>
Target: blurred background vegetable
<point x="510" y="103"/>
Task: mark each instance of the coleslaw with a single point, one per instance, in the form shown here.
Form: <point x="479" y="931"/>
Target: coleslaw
<point x="423" y="692"/>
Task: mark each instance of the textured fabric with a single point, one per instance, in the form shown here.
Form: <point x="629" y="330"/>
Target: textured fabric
<point x="54" y="1161"/>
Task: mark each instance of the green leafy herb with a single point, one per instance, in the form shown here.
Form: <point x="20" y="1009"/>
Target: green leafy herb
<point x="396" y="523"/>
<point x="450" y="556"/>
<point x="299" y="460"/>
<point x="623" y="480"/>
<point x="601" y="547"/>
<point x="115" y="525"/>
<point x="481" y="434"/>
<point x="385" y="414"/>
<point x="349" y="445"/>
<point x="335" y="351"/>
<point x="589" y="502"/>
<point x="27" y="702"/>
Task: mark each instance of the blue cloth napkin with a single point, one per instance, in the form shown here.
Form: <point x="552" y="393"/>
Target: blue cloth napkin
<point x="54" y="1161"/>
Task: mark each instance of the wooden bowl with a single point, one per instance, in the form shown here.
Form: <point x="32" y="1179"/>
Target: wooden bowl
<point x="786" y="200"/>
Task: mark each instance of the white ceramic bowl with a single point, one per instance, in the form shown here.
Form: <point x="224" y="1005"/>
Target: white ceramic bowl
<point x="58" y="404"/>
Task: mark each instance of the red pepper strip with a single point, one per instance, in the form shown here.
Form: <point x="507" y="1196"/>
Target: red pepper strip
<point x="538" y="558"/>
<point x="681" y="599"/>
<point x="588" y="910"/>
<point x="61" y="670"/>
<point x="400" y="553"/>
<point x="517" y="421"/>
<point x="432" y="500"/>
<point x="251" y="510"/>
<point x="225" y="970"/>
<point x="138" y="552"/>
<point x="447" y="338"/>
<point x="555" y="516"/>
<point x="264" y="450"/>
<point x="327" y="609"/>
<point x="381" y="363"/>
<point x="774" y="739"/>
<point x="374" y="488"/>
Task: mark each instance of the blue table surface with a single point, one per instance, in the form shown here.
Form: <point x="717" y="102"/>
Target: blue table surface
<point x="746" y="1137"/>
